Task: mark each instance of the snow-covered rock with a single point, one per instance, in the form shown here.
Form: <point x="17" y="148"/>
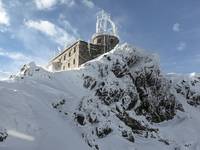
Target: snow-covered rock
<point x="188" y="86"/>
<point x="121" y="100"/>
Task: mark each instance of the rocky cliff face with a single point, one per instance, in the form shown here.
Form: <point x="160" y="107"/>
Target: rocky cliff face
<point x="125" y="86"/>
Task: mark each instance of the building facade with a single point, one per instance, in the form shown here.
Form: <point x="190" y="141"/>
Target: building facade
<point x="104" y="40"/>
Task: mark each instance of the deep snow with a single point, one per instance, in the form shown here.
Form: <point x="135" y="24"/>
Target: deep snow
<point x="27" y="113"/>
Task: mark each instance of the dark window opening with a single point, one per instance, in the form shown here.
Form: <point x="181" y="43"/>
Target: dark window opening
<point x="64" y="57"/>
<point x="68" y="65"/>
<point x="111" y="41"/>
<point x="74" y="61"/>
<point x="69" y="54"/>
<point x="99" y="41"/>
<point x="74" y="49"/>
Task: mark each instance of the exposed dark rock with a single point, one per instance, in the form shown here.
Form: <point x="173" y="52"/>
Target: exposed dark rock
<point x="80" y="119"/>
<point x="124" y="86"/>
<point x="3" y="135"/>
<point x="165" y="141"/>
<point x="93" y="85"/>
<point x="103" y="131"/>
<point x="194" y="100"/>
<point x="135" y="125"/>
<point x="58" y="104"/>
<point x="92" y="120"/>
<point x="157" y="103"/>
<point x="185" y="88"/>
<point x="129" y="136"/>
<point x="89" y="82"/>
<point x="118" y="70"/>
<point x="97" y="147"/>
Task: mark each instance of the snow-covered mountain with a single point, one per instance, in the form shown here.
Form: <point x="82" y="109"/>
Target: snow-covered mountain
<point x="119" y="101"/>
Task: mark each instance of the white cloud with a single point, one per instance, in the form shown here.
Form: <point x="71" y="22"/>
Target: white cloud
<point x="88" y="3"/>
<point x="69" y="3"/>
<point x="67" y="26"/>
<point x="181" y="46"/>
<point x="176" y="27"/>
<point x="43" y="26"/>
<point x="4" y="18"/>
<point x="45" y="4"/>
<point x="56" y="33"/>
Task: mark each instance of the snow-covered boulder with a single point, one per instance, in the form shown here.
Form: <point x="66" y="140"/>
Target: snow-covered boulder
<point x="31" y="70"/>
<point x="3" y="135"/>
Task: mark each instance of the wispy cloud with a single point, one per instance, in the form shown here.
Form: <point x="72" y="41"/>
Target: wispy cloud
<point x="67" y="25"/>
<point x="197" y="58"/>
<point x="43" y="26"/>
<point x="16" y="56"/>
<point x="56" y="33"/>
<point x="176" y="27"/>
<point x="45" y="4"/>
<point x="88" y="3"/>
<point x="69" y="3"/>
<point x="16" y="59"/>
<point x="4" y="18"/>
<point x="181" y="46"/>
<point x="20" y="58"/>
<point x="4" y="75"/>
<point x="48" y="4"/>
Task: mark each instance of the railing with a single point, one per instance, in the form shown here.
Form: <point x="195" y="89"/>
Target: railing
<point x="104" y="33"/>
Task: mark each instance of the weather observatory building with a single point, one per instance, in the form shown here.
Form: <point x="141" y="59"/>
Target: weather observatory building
<point x="104" y="40"/>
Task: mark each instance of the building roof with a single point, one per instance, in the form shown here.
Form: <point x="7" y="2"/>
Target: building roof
<point x="66" y="49"/>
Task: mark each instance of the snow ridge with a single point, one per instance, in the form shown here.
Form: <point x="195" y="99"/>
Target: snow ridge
<point x="121" y="100"/>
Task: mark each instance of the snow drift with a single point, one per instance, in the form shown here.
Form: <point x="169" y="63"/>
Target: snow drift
<point x="120" y="100"/>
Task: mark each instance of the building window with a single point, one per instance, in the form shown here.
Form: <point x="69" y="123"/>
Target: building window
<point x="99" y="41"/>
<point x="68" y="65"/>
<point x="75" y="49"/>
<point x="111" y="41"/>
<point x="64" y="57"/>
<point x="63" y="67"/>
<point x="74" y="61"/>
<point x="69" y="53"/>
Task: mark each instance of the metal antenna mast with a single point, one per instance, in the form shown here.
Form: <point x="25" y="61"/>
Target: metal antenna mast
<point x="104" y="24"/>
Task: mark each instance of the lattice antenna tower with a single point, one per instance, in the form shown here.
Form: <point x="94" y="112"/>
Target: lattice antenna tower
<point x="105" y="25"/>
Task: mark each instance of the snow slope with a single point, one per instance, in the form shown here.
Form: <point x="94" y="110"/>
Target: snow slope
<point x="27" y="115"/>
<point x="119" y="101"/>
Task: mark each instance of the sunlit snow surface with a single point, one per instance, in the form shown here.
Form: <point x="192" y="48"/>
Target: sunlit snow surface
<point x="20" y="135"/>
<point x="32" y="124"/>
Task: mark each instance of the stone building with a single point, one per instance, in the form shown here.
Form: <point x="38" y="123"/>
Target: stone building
<point x="80" y="52"/>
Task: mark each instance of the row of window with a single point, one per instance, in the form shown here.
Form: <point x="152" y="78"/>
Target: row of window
<point x="70" y="53"/>
<point x="74" y="61"/>
<point x="99" y="41"/>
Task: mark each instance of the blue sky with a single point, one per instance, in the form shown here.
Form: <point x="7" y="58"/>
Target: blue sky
<point x="34" y="30"/>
